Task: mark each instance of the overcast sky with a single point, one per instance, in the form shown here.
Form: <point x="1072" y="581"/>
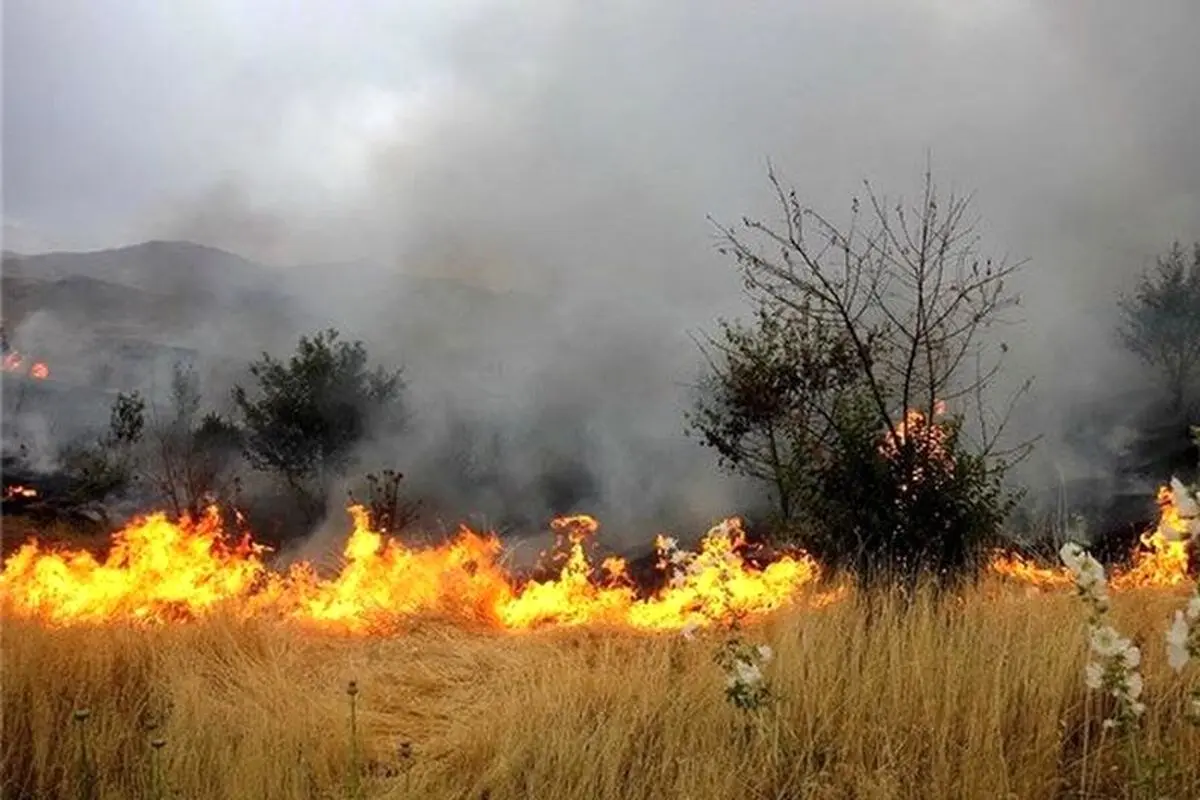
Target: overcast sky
<point x="577" y="147"/>
<point x="122" y="118"/>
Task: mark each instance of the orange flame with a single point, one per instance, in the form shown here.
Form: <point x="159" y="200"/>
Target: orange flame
<point x="926" y="434"/>
<point x="19" y="491"/>
<point x="1020" y="570"/>
<point x="1160" y="561"/>
<point x="158" y="570"/>
<point x="13" y="361"/>
<point x="1164" y="561"/>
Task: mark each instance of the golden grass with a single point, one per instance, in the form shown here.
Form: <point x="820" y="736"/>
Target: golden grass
<point x="981" y="698"/>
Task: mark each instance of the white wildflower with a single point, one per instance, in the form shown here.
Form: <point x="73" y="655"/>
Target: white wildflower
<point x="1090" y="574"/>
<point x="1071" y="555"/>
<point x="689" y="629"/>
<point x="668" y="544"/>
<point x="765" y="653"/>
<point x="1184" y="501"/>
<point x="1193" y="609"/>
<point x="1177" y="642"/>
<point x="1106" y="642"/>
<point x="1109" y="724"/>
<point x="747" y="672"/>
<point x="1132" y="657"/>
<point x="1117" y="658"/>
<point x="1133" y="686"/>
<point x="680" y="557"/>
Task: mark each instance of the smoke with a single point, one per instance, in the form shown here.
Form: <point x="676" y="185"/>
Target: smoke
<point x="566" y="157"/>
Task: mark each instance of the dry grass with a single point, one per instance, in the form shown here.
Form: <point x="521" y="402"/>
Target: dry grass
<point x="982" y="698"/>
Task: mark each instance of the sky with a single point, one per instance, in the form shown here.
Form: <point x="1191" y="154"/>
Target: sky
<point x="578" y="149"/>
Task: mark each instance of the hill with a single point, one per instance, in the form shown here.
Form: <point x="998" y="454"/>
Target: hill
<point x="63" y="306"/>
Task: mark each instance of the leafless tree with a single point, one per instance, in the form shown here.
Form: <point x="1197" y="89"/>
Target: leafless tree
<point x="187" y="452"/>
<point x="908" y="290"/>
<point x="864" y="334"/>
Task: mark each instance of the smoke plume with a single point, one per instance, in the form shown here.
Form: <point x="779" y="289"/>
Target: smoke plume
<point x="560" y="161"/>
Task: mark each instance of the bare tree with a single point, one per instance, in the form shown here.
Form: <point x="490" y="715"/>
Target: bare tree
<point x="865" y="335"/>
<point x="908" y="290"/>
<point x="188" y="452"/>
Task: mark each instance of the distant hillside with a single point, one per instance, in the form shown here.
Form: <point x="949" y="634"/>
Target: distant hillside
<point x="186" y="294"/>
<point x="159" y="267"/>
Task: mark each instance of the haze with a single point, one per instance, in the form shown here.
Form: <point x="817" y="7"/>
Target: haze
<point x="570" y="153"/>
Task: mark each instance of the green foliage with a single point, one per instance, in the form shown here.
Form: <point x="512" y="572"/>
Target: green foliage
<point x="931" y="506"/>
<point x="761" y="406"/>
<point x="127" y="420"/>
<point x="746" y="689"/>
<point x="306" y="415"/>
<point x="1160" y="322"/>
<point x="107" y="466"/>
<point x="854" y="327"/>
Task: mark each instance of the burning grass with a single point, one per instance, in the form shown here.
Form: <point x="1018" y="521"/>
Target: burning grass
<point x="159" y="571"/>
<point x="471" y="683"/>
<point x="977" y="698"/>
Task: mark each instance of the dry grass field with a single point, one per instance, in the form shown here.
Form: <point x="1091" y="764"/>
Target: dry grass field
<point x="980" y="697"/>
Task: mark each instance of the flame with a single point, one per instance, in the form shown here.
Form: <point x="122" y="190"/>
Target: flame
<point x="158" y="570"/>
<point x="155" y="569"/>
<point x="13" y="361"/>
<point x="1021" y="570"/>
<point x="1160" y="561"/>
<point x="1164" y="559"/>
<point x="926" y="435"/>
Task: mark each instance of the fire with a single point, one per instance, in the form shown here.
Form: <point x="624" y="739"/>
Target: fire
<point x="1164" y="561"/>
<point x="13" y="361"/>
<point x="158" y="570"/>
<point x="926" y="435"/>
<point x="1021" y="570"/>
<point x="1161" y="561"/>
<point x="155" y="569"/>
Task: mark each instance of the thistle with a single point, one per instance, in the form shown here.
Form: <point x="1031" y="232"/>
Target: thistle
<point x="87" y="775"/>
<point x="156" y="779"/>
<point x="355" y="772"/>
